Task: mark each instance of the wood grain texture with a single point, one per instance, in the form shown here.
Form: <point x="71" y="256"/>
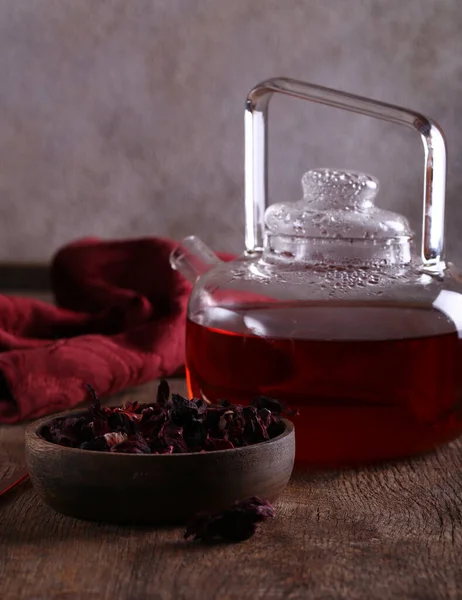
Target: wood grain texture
<point x="380" y="533"/>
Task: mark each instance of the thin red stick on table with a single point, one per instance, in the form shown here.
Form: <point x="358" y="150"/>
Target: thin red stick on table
<point x="11" y="482"/>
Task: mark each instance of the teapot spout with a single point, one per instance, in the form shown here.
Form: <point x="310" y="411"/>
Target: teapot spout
<point x="192" y="258"/>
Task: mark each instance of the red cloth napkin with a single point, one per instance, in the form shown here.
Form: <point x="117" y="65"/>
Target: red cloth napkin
<point x="119" y="321"/>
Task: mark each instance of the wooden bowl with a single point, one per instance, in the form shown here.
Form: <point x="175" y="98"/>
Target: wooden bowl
<point x="152" y="488"/>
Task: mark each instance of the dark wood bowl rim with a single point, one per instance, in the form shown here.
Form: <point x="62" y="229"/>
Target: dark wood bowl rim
<point x="34" y="428"/>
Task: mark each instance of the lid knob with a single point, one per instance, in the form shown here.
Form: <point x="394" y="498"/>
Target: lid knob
<point x="339" y="188"/>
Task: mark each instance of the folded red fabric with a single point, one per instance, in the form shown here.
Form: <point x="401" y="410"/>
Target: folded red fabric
<point x="119" y="321"/>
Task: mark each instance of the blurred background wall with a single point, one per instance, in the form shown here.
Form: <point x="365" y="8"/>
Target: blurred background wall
<point x="125" y="118"/>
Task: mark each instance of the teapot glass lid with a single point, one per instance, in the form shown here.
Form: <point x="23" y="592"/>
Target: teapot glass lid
<point x="336" y="205"/>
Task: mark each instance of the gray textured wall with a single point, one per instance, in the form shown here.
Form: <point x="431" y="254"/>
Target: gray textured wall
<point x="122" y="118"/>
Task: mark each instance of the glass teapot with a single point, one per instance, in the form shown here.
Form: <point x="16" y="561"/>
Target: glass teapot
<point x="329" y="309"/>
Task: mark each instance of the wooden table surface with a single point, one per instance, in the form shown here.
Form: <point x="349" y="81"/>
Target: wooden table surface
<point x="388" y="532"/>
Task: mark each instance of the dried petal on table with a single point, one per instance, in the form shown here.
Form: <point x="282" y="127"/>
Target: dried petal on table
<point x="236" y="524"/>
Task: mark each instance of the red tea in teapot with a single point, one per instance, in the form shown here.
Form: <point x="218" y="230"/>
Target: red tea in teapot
<point x="369" y="380"/>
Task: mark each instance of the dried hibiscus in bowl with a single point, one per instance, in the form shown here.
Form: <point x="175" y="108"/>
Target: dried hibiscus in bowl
<point x="170" y="425"/>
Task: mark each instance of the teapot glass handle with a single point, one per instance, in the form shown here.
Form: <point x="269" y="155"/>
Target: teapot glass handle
<point x="256" y="157"/>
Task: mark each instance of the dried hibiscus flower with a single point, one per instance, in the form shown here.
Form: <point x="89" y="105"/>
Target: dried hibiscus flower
<point x="171" y="425"/>
<point x="236" y="524"/>
<point x="132" y="445"/>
